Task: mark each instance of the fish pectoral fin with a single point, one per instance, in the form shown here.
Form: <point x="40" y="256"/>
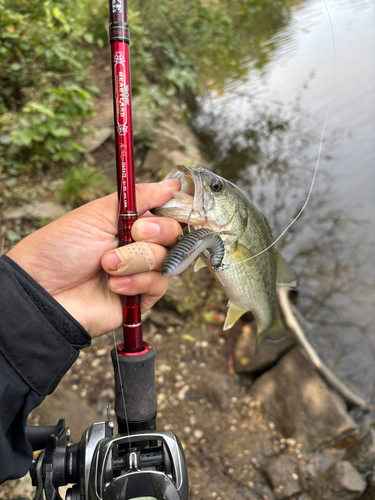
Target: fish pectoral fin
<point x="199" y="264"/>
<point x="233" y="314"/>
<point x="284" y="273"/>
<point x="242" y="255"/>
<point x="274" y="333"/>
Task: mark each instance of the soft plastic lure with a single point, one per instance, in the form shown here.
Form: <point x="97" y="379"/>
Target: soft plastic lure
<point x="189" y="248"/>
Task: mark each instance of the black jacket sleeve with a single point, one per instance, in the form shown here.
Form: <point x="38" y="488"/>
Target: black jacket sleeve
<point x="39" y="342"/>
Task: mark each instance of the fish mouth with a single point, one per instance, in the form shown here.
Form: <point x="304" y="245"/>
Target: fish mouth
<point x="187" y="205"/>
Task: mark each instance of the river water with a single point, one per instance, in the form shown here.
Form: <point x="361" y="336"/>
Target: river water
<point x="312" y="97"/>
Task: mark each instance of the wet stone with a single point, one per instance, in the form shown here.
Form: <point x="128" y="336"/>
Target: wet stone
<point x="301" y="403"/>
<point x="219" y="390"/>
<point x="245" y="360"/>
<point x="362" y="453"/>
<point x="339" y="482"/>
<point x="320" y="461"/>
<point x="369" y="493"/>
<point x="284" y="474"/>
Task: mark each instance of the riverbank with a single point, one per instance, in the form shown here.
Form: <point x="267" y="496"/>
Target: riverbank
<point x="264" y="427"/>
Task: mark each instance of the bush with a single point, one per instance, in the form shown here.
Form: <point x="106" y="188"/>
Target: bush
<point x="45" y="92"/>
<point x="84" y="184"/>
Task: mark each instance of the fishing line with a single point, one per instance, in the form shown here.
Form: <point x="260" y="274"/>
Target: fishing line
<point x="320" y="144"/>
<point x="115" y="340"/>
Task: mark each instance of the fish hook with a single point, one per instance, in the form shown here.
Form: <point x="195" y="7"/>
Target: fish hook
<point x="188" y="219"/>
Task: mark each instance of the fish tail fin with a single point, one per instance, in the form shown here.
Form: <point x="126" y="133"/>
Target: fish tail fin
<point x="274" y="333"/>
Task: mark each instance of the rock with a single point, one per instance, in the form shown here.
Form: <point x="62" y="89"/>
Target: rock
<point x="176" y="294"/>
<point x="301" y="402"/>
<point x="101" y="352"/>
<point x="320" y="461"/>
<point x="336" y="347"/>
<point x="182" y="392"/>
<point x="165" y="318"/>
<point x="219" y="390"/>
<point x="285" y="476"/>
<point x="175" y="142"/>
<point x="95" y="140"/>
<point x="198" y="434"/>
<point x="143" y="121"/>
<point x="107" y="394"/>
<point x="177" y="157"/>
<point x="39" y="210"/>
<point x="245" y="360"/>
<point x="369" y="493"/>
<point x="361" y="453"/>
<point x="79" y="415"/>
<point x="339" y="482"/>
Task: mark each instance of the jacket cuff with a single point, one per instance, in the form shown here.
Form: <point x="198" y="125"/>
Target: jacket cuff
<point x="37" y="335"/>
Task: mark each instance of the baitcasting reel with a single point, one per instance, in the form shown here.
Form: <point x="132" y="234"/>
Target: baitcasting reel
<point x="146" y="465"/>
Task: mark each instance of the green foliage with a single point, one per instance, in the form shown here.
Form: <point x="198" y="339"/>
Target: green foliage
<point x="84" y="184"/>
<point x="148" y="107"/>
<point x="45" y="54"/>
<point x="45" y="91"/>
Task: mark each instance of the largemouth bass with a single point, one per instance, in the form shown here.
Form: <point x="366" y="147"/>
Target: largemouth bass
<point x="209" y="201"/>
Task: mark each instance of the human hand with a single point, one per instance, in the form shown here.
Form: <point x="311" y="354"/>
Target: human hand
<point x="67" y="257"/>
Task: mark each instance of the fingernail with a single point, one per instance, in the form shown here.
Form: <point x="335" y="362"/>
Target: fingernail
<point x="121" y="284"/>
<point x="146" y="230"/>
<point x="112" y="261"/>
<point x="169" y="182"/>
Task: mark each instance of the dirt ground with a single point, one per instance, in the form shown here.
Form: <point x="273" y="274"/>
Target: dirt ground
<point x="224" y="432"/>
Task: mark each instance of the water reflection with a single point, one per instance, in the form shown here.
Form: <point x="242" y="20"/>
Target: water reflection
<point x="346" y="355"/>
<point x="263" y="133"/>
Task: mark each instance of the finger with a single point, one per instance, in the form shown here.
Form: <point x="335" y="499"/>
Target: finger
<point x="155" y="194"/>
<point x="147" y="301"/>
<point x="138" y="257"/>
<point x="161" y="230"/>
<point x="152" y="284"/>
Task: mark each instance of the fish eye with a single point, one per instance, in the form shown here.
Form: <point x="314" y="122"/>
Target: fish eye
<point x="216" y="185"/>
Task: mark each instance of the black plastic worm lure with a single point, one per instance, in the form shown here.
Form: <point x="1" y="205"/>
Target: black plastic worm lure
<point x="190" y="246"/>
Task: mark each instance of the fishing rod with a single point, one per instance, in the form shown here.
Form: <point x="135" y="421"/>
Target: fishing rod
<point x="132" y="379"/>
<point x="140" y="462"/>
<point x="122" y="110"/>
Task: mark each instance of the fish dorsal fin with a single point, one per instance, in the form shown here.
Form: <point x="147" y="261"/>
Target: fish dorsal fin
<point x="284" y="273"/>
<point x="233" y="314"/>
<point x="199" y="264"/>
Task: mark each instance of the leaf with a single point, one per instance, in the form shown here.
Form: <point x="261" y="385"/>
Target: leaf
<point x="15" y="67"/>
<point x="12" y="236"/>
<point x="35" y="106"/>
<point x="60" y="132"/>
<point x="56" y="12"/>
<point x="88" y="37"/>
